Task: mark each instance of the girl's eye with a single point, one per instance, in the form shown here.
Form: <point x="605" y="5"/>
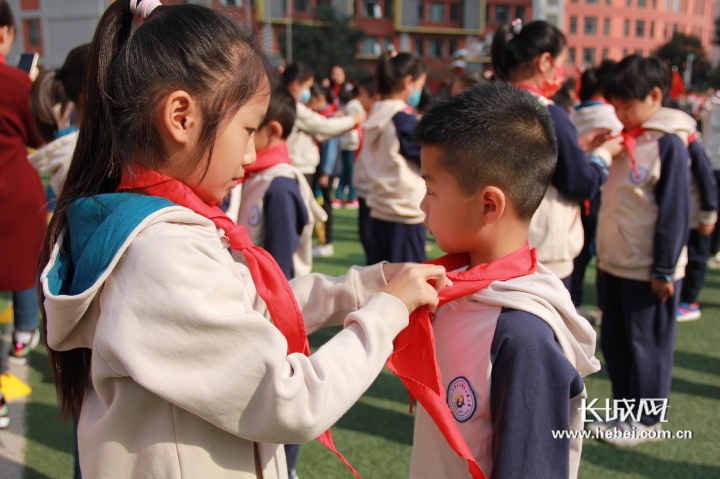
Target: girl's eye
<point x="428" y="191"/>
<point x="251" y="131"/>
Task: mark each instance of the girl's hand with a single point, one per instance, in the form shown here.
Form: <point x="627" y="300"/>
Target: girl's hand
<point x="593" y="138"/>
<point x="614" y="145"/>
<point x="411" y="284"/>
<point x="359" y="117"/>
<point x="324" y="180"/>
<point x="706" y="230"/>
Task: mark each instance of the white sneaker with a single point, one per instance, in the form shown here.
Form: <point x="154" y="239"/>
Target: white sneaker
<point x="714" y="262"/>
<point x="323" y="251"/>
<point x="624" y="434"/>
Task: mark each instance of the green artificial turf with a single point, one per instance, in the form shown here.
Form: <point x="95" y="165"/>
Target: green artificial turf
<point x="376" y="434"/>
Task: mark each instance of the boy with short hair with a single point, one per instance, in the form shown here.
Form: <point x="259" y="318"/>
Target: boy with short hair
<point x="278" y="207"/>
<point x="512" y="353"/>
<point x="642" y="232"/>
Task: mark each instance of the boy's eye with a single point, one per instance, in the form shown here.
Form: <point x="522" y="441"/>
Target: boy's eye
<point x="251" y="131"/>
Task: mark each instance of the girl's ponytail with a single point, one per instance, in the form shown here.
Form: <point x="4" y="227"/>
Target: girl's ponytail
<point x="515" y="46"/>
<point x="71" y="369"/>
<point x="392" y="69"/>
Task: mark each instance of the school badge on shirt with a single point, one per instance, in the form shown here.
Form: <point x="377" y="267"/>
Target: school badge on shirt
<point x="254" y="216"/>
<point x="461" y="399"/>
<point x="644" y="173"/>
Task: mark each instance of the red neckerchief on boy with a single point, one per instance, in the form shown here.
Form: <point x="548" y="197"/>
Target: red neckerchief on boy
<point x="693" y="137"/>
<point x="269" y="280"/>
<point x="414" y="360"/>
<point x="269" y="157"/>
<point x="629" y="140"/>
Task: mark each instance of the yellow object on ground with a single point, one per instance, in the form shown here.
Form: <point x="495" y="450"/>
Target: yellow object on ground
<point x="12" y="388"/>
<point x="7" y="316"/>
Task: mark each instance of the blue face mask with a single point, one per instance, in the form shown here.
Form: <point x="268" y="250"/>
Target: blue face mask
<point x="304" y="97"/>
<point x="414" y="98"/>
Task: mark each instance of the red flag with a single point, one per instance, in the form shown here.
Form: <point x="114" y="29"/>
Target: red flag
<point x="414" y="360"/>
<point x="678" y="85"/>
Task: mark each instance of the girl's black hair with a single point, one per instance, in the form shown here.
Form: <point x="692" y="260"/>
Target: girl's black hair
<point x="512" y="51"/>
<point x="61" y="88"/>
<point x="180" y="47"/>
<point x="368" y="84"/>
<point x="7" y="19"/>
<point x="594" y="79"/>
<point x="297" y="71"/>
<point x="636" y="76"/>
<point x="391" y="71"/>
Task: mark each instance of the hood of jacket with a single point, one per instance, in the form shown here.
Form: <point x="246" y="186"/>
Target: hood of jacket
<point x="54" y="158"/>
<point x="672" y="122"/>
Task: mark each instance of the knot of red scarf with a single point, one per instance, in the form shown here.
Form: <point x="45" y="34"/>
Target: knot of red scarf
<point x="629" y="140"/>
<point x="414" y="360"/>
<point x="269" y="280"/>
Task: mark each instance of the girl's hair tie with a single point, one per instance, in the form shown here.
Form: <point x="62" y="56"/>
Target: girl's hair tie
<point x="145" y="7"/>
<point x="516" y="26"/>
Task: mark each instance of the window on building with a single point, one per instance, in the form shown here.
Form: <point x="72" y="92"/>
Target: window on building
<point x="573" y="1"/>
<point x="573" y="25"/>
<point x="665" y="31"/>
<point x="454" y="46"/>
<point x="667" y="5"/>
<point x="33" y="27"/>
<point x="590" y="26"/>
<point x="654" y="4"/>
<point x="591" y="2"/>
<point x="552" y="20"/>
<point x="419" y="47"/>
<point x="230" y="3"/>
<point x="638" y="52"/>
<point x="624" y="52"/>
<point x="436" y="48"/>
<point x="553" y="2"/>
<point x="371" y="8"/>
<point x="571" y="56"/>
<point x="675" y="28"/>
<point x="676" y="6"/>
<point x="588" y="56"/>
<point x="304" y="5"/>
<point x="628" y="3"/>
<point x="455" y="12"/>
<point x="437" y="12"/>
<point x="421" y="10"/>
<point x="605" y="54"/>
<point x="608" y="2"/>
<point x="606" y="27"/>
<point x="370" y="46"/>
<point x="627" y="28"/>
<point x="520" y="13"/>
<point x="642" y="3"/>
<point x="388" y="44"/>
<point x="640" y="28"/>
<point x="389" y="9"/>
<point x="502" y="14"/>
<point x="652" y="29"/>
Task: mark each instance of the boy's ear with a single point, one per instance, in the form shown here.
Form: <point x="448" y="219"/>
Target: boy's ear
<point x="493" y="203"/>
<point x="180" y="117"/>
<point x="276" y="129"/>
<point x="656" y="95"/>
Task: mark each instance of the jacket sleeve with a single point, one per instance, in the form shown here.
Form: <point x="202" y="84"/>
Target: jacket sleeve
<point x="577" y="175"/>
<point x="704" y="177"/>
<point x="314" y="123"/>
<point x="285" y="219"/>
<point x="194" y="342"/>
<point x="672" y="195"/>
<point x="532" y="384"/>
<point x="404" y="125"/>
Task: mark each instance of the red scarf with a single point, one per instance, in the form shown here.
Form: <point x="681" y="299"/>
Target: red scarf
<point x="269" y="157"/>
<point x="414" y="360"/>
<point x="531" y="88"/>
<point x="629" y="140"/>
<point x="269" y="280"/>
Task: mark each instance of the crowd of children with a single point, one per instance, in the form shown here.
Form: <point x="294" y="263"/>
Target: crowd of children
<point x="519" y="184"/>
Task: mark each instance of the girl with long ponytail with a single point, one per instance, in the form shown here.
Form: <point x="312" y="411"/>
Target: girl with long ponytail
<point x="532" y="57"/>
<point x="178" y="361"/>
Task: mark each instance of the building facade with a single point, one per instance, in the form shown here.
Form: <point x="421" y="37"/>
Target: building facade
<point x="600" y="29"/>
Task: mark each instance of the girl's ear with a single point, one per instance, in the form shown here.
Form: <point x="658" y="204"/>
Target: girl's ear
<point x="180" y="117"/>
<point x="545" y="62"/>
<point x="407" y="83"/>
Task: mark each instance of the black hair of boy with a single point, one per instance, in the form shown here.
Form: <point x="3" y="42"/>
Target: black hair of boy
<point x="368" y="84"/>
<point x="636" y="76"/>
<point x="7" y="19"/>
<point x="594" y="79"/>
<point x="297" y="71"/>
<point x="281" y="109"/>
<point x="563" y="97"/>
<point x="495" y="134"/>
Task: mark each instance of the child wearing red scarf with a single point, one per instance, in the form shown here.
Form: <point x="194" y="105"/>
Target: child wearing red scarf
<point x="511" y="351"/>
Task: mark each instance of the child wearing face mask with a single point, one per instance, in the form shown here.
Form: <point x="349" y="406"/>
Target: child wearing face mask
<point x="532" y="57"/>
<point x="390" y="161"/>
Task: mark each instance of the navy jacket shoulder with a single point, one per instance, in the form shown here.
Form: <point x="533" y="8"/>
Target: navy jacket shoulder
<point x="285" y="217"/>
<point x="577" y="176"/>
<point x="404" y="125"/>
<point x="532" y="384"/>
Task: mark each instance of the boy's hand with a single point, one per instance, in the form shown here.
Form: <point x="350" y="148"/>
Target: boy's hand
<point x="664" y="290"/>
<point x="411" y="285"/>
<point x="324" y="180"/>
<point x="706" y="230"/>
<point x="359" y="117"/>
